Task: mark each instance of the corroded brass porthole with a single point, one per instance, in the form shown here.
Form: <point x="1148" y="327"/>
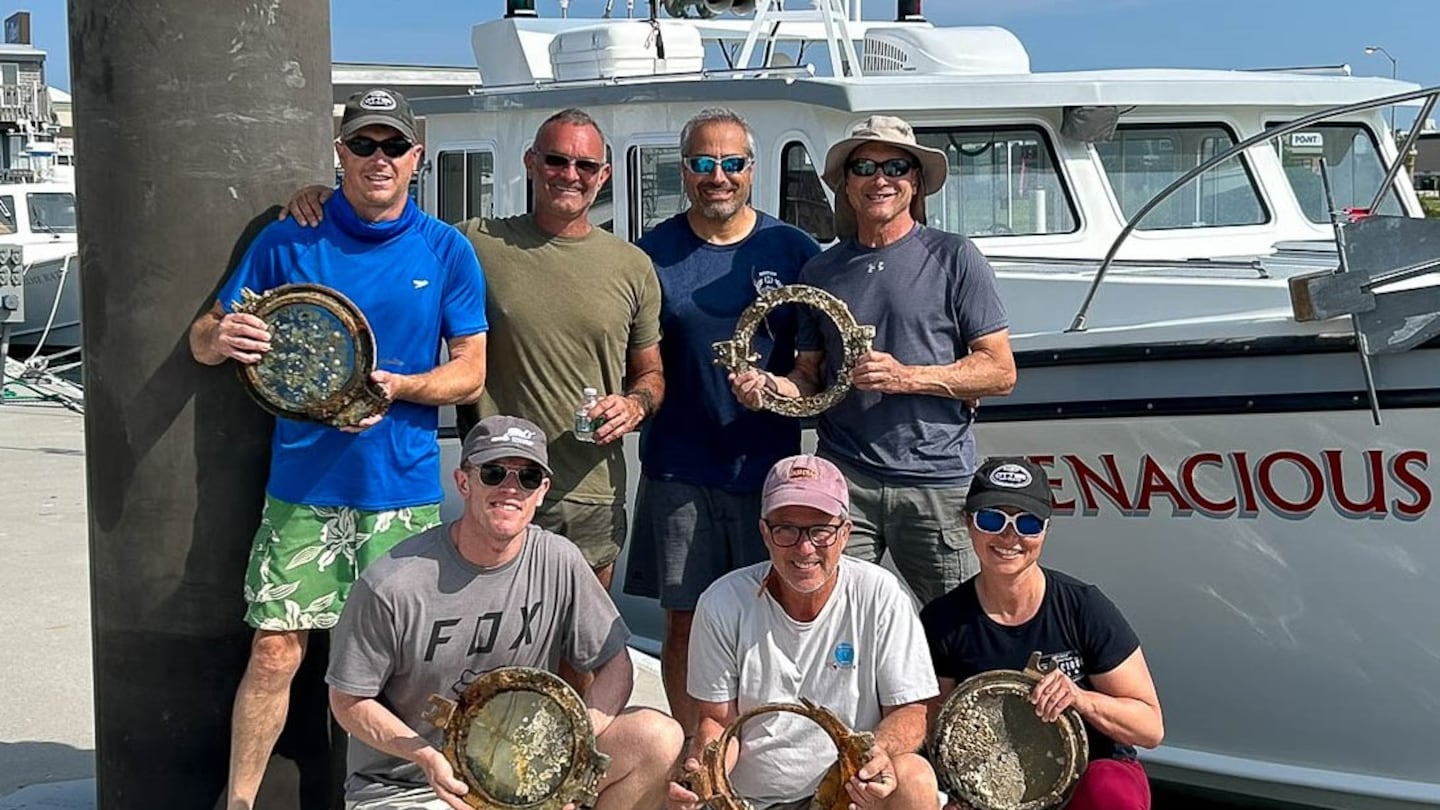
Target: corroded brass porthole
<point x="990" y="749"/>
<point x="321" y="354"/>
<point x="738" y="354"/>
<point x="712" y="782"/>
<point x="522" y="740"/>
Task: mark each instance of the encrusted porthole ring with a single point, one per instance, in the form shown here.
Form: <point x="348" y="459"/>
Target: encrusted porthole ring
<point x="712" y="782"/>
<point x="322" y="352"/>
<point x="521" y="739"/>
<point x="991" y="750"/>
<point x="739" y="356"/>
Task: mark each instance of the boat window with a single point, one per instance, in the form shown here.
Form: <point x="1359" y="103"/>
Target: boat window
<point x="602" y="211"/>
<point x="51" y="212"/>
<point x="1353" y="160"/>
<point x="657" y="191"/>
<point x="802" y="196"/>
<point x="1142" y="159"/>
<point x="1002" y="182"/>
<point x="7" y="214"/>
<point x="466" y="185"/>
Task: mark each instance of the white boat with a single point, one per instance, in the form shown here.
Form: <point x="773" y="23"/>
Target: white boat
<point x="40" y="216"/>
<point x="1220" y="471"/>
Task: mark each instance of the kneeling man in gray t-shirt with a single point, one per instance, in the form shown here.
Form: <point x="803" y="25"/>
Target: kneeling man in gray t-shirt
<point x="488" y="590"/>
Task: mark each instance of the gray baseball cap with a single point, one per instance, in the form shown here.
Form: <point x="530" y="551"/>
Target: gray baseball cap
<point x="498" y="437"/>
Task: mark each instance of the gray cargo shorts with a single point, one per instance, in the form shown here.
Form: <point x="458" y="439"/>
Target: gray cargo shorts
<point x="923" y="528"/>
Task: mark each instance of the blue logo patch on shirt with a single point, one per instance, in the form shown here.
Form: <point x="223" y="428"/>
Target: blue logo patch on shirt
<point x="844" y="656"/>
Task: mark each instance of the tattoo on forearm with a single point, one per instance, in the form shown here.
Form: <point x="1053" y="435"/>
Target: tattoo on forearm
<point x="646" y="399"/>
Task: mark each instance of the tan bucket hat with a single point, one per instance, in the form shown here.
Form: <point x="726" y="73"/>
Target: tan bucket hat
<point x="893" y="131"/>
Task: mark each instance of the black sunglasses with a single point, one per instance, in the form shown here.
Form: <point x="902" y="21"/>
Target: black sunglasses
<point x="582" y="165"/>
<point x="894" y="167"/>
<point x="705" y="164"/>
<point x="365" y="147"/>
<point x="529" y="477"/>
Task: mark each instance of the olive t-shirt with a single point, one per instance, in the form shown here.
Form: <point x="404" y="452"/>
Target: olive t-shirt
<point x="563" y="315"/>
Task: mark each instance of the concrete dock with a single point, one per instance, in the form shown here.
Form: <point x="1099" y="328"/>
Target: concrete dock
<point x="46" y="730"/>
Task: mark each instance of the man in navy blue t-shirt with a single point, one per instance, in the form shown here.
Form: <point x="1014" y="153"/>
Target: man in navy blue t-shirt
<point x="704" y="456"/>
<point x="337" y="499"/>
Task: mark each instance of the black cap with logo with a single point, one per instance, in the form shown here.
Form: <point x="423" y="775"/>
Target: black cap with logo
<point x="1013" y="481"/>
<point x="378" y="107"/>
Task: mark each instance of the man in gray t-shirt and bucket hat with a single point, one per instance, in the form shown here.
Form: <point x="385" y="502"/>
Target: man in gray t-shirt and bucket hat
<point x="488" y="590"/>
<point x="902" y="435"/>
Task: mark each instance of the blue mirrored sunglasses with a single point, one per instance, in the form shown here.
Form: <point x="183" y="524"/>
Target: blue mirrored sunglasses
<point x="705" y="164"/>
<point x="994" y="521"/>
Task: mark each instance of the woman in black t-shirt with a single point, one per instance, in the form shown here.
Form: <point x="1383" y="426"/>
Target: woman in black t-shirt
<point x="1014" y="607"/>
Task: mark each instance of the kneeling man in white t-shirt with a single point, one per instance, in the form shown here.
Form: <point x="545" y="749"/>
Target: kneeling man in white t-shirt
<point x="811" y="623"/>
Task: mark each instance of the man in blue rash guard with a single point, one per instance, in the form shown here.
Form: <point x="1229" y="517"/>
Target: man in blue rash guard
<point x="337" y="499"/>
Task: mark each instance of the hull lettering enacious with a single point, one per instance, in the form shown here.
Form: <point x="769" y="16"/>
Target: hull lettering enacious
<point x="1370" y="484"/>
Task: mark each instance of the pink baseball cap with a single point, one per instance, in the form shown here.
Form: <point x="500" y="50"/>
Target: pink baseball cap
<point x="805" y="481"/>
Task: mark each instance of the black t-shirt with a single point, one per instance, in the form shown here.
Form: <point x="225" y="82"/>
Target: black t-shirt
<point x="1077" y="628"/>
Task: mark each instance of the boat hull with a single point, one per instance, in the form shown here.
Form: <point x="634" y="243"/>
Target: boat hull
<point x="46" y="281"/>
<point x="1274" y="551"/>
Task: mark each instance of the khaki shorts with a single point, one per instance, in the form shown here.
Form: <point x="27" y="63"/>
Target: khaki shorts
<point x="598" y="529"/>
<point x="304" y="559"/>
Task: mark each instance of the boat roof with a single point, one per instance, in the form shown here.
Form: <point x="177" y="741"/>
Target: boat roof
<point x="865" y="94"/>
<point x="957" y="67"/>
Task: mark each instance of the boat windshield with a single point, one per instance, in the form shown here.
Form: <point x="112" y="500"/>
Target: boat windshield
<point x="51" y="212"/>
<point x="7" y="214"/>
<point x="1142" y="159"/>
<point x="1356" y="170"/>
<point x="1002" y="182"/>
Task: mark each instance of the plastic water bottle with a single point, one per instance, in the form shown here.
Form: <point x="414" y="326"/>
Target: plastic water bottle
<point x="584" y="425"/>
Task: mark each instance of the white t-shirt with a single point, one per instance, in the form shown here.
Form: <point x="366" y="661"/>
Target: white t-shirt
<point x="865" y="650"/>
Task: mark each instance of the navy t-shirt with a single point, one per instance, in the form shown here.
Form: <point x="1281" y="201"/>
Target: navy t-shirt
<point x="702" y="435"/>
<point x="1077" y="628"/>
<point x="929" y="296"/>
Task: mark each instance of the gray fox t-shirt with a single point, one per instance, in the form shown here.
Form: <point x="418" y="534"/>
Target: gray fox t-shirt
<point x="422" y="620"/>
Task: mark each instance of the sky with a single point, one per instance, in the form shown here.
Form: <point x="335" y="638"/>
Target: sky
<point x="1059" y="34"/>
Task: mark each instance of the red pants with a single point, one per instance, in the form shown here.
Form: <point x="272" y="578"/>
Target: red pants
<point x="1112" y="784"/>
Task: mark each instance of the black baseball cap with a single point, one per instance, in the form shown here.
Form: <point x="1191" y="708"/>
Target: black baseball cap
<point x="1013" y="481"/>
<point x="378" y="106"/>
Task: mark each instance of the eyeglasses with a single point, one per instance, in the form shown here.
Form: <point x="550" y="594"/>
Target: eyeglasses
<point x="821" y="535"/>
<point x="365" y="147"/>
<point x="529" y="477"/>
<point x="582" y="165"/>
<point x="894" y="167"/>
<point x="994" y="521"/>
<point x="705" y="164"/>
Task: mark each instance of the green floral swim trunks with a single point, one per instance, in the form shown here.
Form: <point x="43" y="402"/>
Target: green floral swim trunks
<point x="305" y="558"/>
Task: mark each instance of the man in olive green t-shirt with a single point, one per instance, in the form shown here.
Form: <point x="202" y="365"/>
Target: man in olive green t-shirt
<point x="571" y="307"/>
